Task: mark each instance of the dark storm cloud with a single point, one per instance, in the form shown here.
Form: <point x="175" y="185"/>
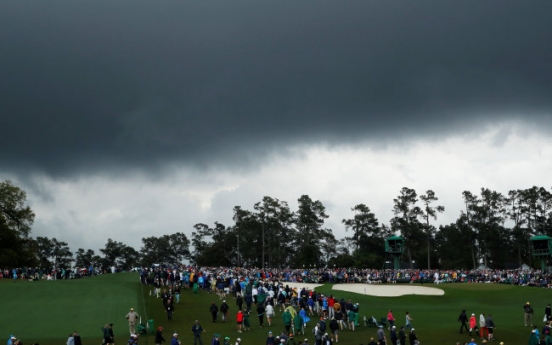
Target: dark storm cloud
<point x="90" y="85"/>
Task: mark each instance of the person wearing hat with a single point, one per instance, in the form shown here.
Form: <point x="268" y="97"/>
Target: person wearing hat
<point x="132" y="318"/>
<point x="226" y="341"/>
<point x="224" y="307"/>
<point x="412" y="337"/>
<point x="175" y="340"/>
<point x="133" y="339"/>
<point x="393" y="335"/>
<point x="11" y="340"/>
<point x="197" y="330"/>
<point x="270" y="339"/>
<point x="528" y="313"/>
<point x="238" y="341"/>
<point x="534" y="338"/>
<point x="290" y="340"/>
<point x="159" y="336"/>
<point x="473" y="324"/>
<point x="216" y="339"/>
<point x="381" y="335"/>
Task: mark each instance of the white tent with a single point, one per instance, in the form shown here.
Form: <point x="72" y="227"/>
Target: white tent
<point x="525" y="267"/>
<point x="483" y="267"/>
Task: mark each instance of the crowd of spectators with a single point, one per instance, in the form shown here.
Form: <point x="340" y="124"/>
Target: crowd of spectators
<point x="50" y="273"/>
<point x="165" y="275"/>
<point x="523" y="277"/>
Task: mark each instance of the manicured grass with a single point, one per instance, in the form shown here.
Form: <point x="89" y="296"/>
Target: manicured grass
<point x="45" y="312"/>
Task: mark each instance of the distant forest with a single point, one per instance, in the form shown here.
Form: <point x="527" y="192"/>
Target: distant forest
<point x="273" y="236"/>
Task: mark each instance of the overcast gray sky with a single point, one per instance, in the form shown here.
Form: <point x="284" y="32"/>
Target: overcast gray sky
<point x="125" y="119"/>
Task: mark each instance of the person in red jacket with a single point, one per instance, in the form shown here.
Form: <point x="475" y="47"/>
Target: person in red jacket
<point x="239" y="320"/>
<point x="473" y="324"/>
<point x="390" y="318"/>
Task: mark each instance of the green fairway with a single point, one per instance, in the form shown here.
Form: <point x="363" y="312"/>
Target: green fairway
<point x="46" y="311"/>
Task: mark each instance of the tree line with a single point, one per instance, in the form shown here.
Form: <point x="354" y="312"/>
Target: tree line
<point x="493" y="228"/>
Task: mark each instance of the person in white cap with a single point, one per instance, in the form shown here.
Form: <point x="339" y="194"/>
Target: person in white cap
<point x="132" y="318"/>
<point x="238" y="341"/>
<point x="175" y="340"/>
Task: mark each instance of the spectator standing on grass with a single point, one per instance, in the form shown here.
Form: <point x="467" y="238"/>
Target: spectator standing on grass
<point x="214" y="311"/>
<point x="132" y="318"/>
<point x="291" y="340"/>
<point x="287" y="320"/>
<point x="409" y="320"/>
<point x="473" y="324"/>
<point x="70" y="340"/>
<point x="177" y="292"/>
<point x="224" y="307"/>
<point x="490" y="325"/>
<point x="197" y="330"/>
<point x="270" y="339"/>
<point x="548" y="312"/>
<point x="381" y="335"/>
<point x="216" y="339"/>
<point x="246" y="324"/>
<point x="260" y="314"/>
<point x="351" y="319"/>
<point x="239" y="320"/>
<point x="533" y="338"/>
<point x="528" y="314"/>
<point x="158" y="336"/>
<point x="169" y="308"/>
<point x="393" y="335"/>
<point x="402" y="336"/>
<point x="390" y="318"/>
<point x="463" y="319"/>
<point x="174" y="340"/>
<point x="334" y="330"/>
<point x="239" y="302"/>
<point x="482" y="326"/>
<point x="412" y="337"/>
<point x="76" y="338"/>
<point x="109" y="336"/>
<point x="269" y="314"/>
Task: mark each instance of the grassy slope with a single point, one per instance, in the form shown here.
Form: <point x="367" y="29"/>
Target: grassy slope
<point x="46" y="312"/>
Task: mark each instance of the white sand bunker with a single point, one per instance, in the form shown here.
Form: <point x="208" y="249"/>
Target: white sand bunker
<point x="388" y="290"/>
